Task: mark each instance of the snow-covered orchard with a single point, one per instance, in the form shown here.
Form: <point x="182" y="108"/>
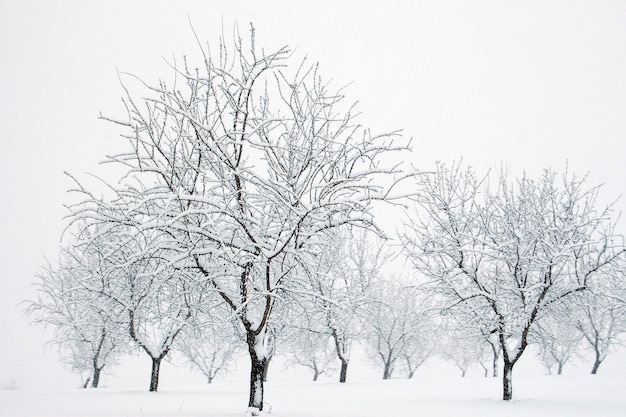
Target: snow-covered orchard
<point x="254" y="212"/>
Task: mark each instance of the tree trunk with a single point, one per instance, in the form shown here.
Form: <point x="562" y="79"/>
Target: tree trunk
<point x="266" y="368"/>
<point x="343" y="375"/>
<point x="507" y="381"/>
<point x="560" y="369"/>
<point x="316" y="372"/>
<point x="411" y="370"/>
<point x="596" y="365"/>
<point x="258" y="367"/>
<point x="154" y="377"/>
<point x="387" y="371"/>
<point x="96" y="377"/>
<point x="257" y="370"/>
<point x="495" y="360"/>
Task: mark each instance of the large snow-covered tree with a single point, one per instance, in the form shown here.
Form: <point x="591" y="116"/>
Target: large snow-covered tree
<point x="504" y="252"/>
<point x="236" y="164"/>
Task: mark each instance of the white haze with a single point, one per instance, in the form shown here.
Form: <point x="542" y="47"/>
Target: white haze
<point x="532" y="84"/>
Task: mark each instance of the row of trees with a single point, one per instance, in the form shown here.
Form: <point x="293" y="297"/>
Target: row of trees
<point x="241" y="212"/>
<point x="104" y="302"/>
<point x="101" y="310"/>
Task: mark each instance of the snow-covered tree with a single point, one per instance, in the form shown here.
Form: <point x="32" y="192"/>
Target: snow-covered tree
<point x="342" y="276"/>
<point x="311" y="349"/>
<point x="557" y="338"/>
<point x="86" y="325"/>
<point x="601" y="322"/>
<point x="211" y="343"/>
<point x="236" y="165"/>
<point x="505" y="251"/>
<point x="399" y="327"/>
<point x="464" y="349"/>
<point x="156" y="297"/>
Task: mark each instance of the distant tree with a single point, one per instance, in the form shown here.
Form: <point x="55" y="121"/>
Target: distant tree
<point x="311" y="349"/>
<point x="490" y="339"/>
<point x="160" y="302"/>
<point x="601" y="320"/>
<point x="153" y="297"/>
<point x="397" y="325"/>
<point x="506" y="255"/>
<point x="419" y="350"/>
<point x="211" y="343"/>
<point x="342" y="277"/>
<point x="86" y="325"/>
<point x="464" y="349"/>
<point x="557" y="339"/>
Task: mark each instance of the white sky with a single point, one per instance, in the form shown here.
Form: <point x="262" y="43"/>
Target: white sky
<point x="529" y="83"/>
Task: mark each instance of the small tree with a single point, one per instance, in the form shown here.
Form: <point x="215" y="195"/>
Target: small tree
<point x="464" y="349"/>
<point x="211" y="343"/>
<point x="311" y="349"/>
<point x="86" y="325"/>
<point x="557" y="339"/>
<point x="342" y="274"/>
<point x="158" y="299"/>
<point x="397" y="325"/>
<point x="601" y="321"/>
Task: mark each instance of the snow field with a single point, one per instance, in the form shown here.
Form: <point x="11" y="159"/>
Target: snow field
<point x="553" y="396"/>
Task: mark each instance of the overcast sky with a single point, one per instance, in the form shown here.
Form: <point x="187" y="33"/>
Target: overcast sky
<point x="529" y="83"/>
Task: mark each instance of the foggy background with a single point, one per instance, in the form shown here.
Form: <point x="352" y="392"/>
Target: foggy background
<point x="531" y="84"/>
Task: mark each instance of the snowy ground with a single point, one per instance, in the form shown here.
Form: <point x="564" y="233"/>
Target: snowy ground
<point x="552" y="396"/>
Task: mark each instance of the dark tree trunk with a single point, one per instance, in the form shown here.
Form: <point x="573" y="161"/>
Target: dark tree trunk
<point x="410" y="368"/>
<point x="257" y="370"/>
<point x="596" y="365"/>
<point x="387" y="371"/>
<point x="509" y="362"/>
<point x="87" y="382"/>
<point x="316" y="372"/>
<point x="96" y="377"/>
<point x="560" y="369"/>
<point x="343" y="375"/>
<point x="154" y="377"/>
<point x="507" y="381"/>
<point x="97" y="369"/>
<point x="495" y="360"/>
